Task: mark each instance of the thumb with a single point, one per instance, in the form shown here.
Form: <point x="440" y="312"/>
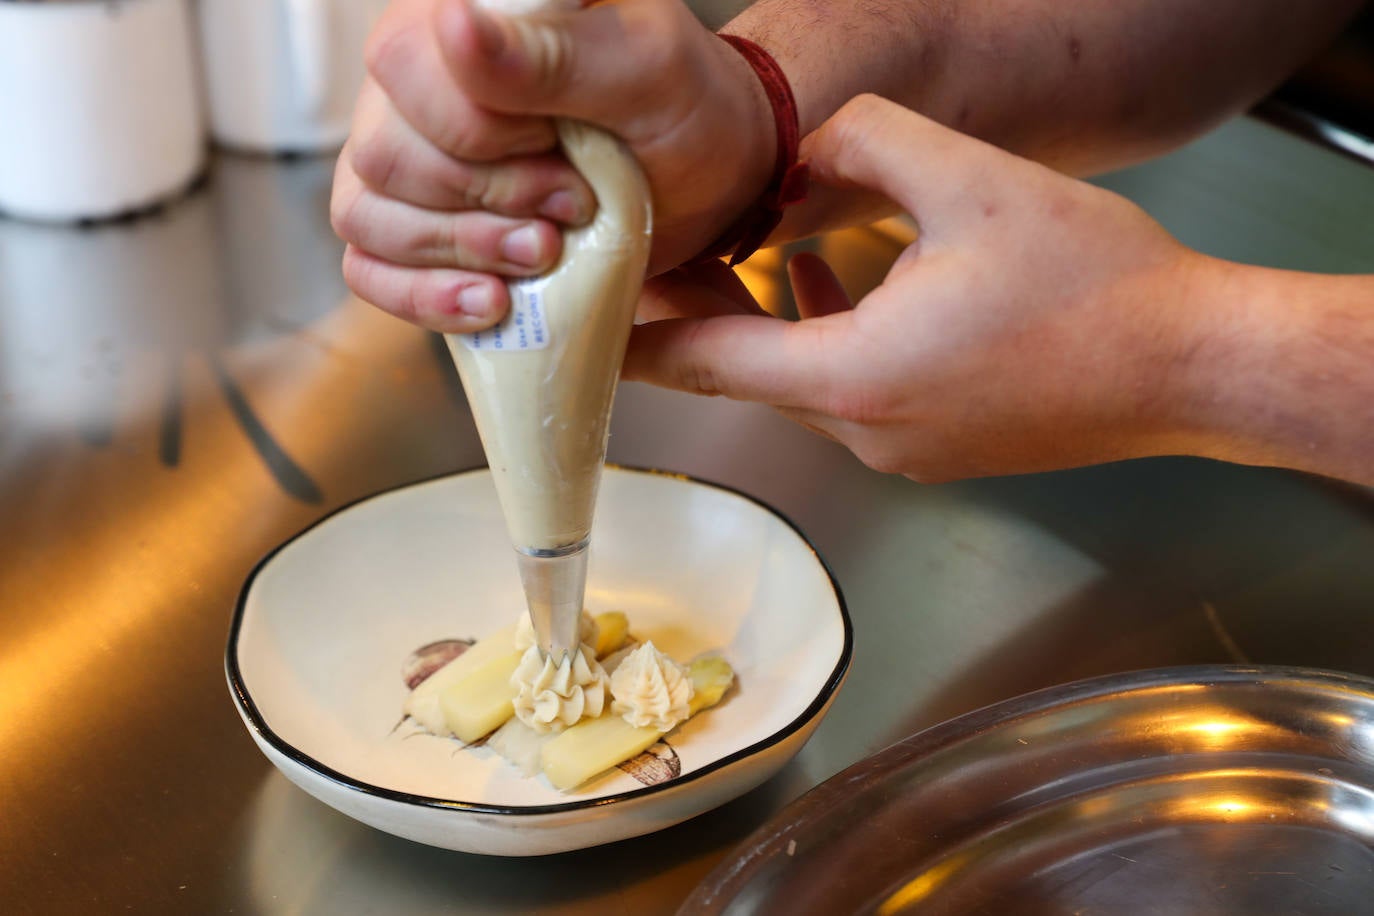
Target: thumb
<point x="711" y="348"/>
<point x="570" y="62"/>
<point x="936" y="174"/>
<point x="744" y="357"/>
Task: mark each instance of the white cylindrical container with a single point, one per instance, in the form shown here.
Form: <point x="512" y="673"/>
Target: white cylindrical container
<point x="99" y="107"/>
<point x="282" y="75"/>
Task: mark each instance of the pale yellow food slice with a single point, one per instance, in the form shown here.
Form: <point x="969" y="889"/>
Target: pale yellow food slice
<point x="520" y="745"/>
<point x="711" y="677"/>
<point x="612" y="629"/>
<point x="590" y="747"/>
<point x="481" y="702"/>
<point x="423" y="703"/>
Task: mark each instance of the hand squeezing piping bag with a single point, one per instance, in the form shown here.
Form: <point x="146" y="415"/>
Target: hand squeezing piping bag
<point x="541" y="383"/>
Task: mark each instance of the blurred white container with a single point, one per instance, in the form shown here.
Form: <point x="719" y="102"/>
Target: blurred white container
<point x="282" y="75"/>
<point x="99" y="107"/>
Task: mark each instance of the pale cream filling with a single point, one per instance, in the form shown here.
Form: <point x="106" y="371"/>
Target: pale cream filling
<point x="651" y="690"/>
<point x="550" y="697"/>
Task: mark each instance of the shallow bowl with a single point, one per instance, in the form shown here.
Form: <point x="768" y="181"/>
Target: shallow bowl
<point x="328" y="624"/>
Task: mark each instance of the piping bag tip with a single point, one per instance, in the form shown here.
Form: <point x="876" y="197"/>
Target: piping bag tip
<point x="555" y="583"/>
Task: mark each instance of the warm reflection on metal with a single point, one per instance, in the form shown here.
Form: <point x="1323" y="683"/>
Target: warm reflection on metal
<point x="1077" y="812"/>
<point x="762" y="276"/>
<point x="860" y="257"/>
<point x="921" y="887"/>
<point x="1222" y="730"/>
<point x="134" y="498"/>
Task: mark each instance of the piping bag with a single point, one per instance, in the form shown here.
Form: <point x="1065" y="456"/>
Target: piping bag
<point x="541" y="382"/>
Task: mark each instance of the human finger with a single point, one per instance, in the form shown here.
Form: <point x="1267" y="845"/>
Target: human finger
<point x="815" y="287"/>
<point x="745" y="357"/>
<point x="404" y="60"/>
<point x="416" y="237"/>
<point x="450" y="301"/>
<point x="940" y="176"/>
<point x="595" y="64"/>
<point x="812" y="421"/>
<point x="395" y="160"/>
<point x="697" y="291"/>
<point x="875" y="446"/>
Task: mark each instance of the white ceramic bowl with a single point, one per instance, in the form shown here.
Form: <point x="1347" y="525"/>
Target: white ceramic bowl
<point x="326" y="622"/>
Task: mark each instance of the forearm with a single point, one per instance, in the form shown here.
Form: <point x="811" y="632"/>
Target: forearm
<point x="1081" y="86"/>
<point x="1281" y="370"/>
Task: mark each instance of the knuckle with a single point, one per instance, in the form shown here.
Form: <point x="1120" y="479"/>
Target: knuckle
<point x="408" y="303"/>
<point x="658" y="37"/>
<point x="864" y="113"/>
<point x="460" y="140"/>
<point x="852" y="387"/>
<point x="850" y="128"/>
<point x="554" y="54"/>
<point x="468" y="134"/>
<point x="844" y="405"/>
<point x="840" y="127"/>
<point x="512" y="189"/>
<point x="360" y="275"/>
<point x="455" y="133"/>
<point x="665" y="42"/>
<point x="478" y="186"/>
<point x="480" y="189"/>
<point x="368" y="280"/>
<point x="343" y="213"/>
<point x="859" y="405"/>
<point x="881" y="458"/>
<point x="354" y="269"/>
<point x="929" y="475"/>
<point x="695" y="374"/>
<point x="699" y="379"/>
<point x="460" y="242"/>
<point x="383" y="46"/>
<point x="447" y="242"/>
<point x="865" y="105"/>
<point x="376" y="162"/>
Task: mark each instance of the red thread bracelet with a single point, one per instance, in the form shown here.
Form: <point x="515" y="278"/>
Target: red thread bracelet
<point x="788" y="183"/>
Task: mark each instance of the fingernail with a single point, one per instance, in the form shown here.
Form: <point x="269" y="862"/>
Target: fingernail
<point x="476" y="301"/>
<point x="564" y="206"/>
<point x="524" y="246"/>
<point x="490" y="36"/>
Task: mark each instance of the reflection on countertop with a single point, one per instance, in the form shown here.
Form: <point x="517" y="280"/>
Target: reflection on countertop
<point x="180" y="393"/>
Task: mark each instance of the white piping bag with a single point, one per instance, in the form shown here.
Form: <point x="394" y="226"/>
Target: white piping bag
<point x="542" y="382"/>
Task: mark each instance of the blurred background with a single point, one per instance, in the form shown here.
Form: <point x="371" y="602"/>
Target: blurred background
<point x="185" y="382"/>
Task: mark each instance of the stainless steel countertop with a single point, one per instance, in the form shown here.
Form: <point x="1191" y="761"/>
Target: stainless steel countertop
<point x="180" y="393"/>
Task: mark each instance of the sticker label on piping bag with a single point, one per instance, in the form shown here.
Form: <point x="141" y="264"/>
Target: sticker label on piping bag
<point x="525" y="326"/>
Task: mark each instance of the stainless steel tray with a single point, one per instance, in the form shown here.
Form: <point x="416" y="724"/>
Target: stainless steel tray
<point x="1209" y="790"/>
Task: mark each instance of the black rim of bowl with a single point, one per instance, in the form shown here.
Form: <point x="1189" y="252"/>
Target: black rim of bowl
<point x="244" y="699"/>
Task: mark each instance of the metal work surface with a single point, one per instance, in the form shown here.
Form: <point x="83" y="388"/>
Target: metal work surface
<point x="1205" y="789"/>
<point x="181" y="393"/>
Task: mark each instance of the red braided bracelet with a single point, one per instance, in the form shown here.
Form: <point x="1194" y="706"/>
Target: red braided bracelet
<point x="789" y="181"/>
